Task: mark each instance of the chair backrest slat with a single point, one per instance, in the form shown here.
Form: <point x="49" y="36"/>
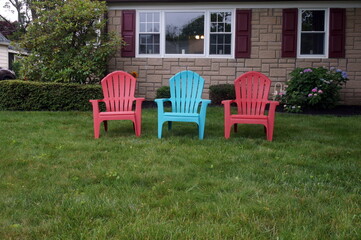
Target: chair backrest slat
<point x="252" y="89"/>
<point x="118" y="90"/>
<point x="186" y="91"/>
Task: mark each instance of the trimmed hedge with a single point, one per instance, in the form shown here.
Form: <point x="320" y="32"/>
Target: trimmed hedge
<point x="220" y="92"/>
<point x="42" y="96"/>
<point x="163" y="92"/>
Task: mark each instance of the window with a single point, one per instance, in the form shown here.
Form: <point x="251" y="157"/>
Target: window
<point x="220" y="33"/>
<point x="149" y="33"/>
<point x="313" y="33"/>
<point x="185" y="33"/>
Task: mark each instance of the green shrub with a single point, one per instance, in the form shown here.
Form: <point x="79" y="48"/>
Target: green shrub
<point x="67" y="42"/>
<point x="163" y="92"/>
<point x="312" y="88"/>
<point x="220" y="92"/>
<point x="40" y="96"/>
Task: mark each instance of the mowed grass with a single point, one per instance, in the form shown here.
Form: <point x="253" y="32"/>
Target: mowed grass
<point x="57" y="182"/>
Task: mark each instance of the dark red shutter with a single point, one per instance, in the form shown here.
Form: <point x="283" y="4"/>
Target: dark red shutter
<point x="337" y="33"/>
<point x="289" y="32"/>
<point x="243" y="33"/>
<point x="128" y="33"/>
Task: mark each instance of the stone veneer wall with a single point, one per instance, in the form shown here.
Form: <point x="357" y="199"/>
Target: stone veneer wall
<point x="265" y="58"/>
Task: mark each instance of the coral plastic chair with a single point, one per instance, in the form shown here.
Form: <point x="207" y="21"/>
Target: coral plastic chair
<point x="118" y="90"/>
<point x="252" y="89"/>
<point x="187" y="105"/>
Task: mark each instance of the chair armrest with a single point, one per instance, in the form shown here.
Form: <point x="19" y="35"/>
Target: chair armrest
<point x="138" y="104"/>
<point x="160" y="104"/>
<point x="161" y="100"/>
<point x="227" y="106"/>
<point x="204" y="105"/>
<point x="95" y="105"/>
<point x="272" y="108"/>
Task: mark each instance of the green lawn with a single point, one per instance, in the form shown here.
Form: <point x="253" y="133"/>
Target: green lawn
<point x="57" y="182"/>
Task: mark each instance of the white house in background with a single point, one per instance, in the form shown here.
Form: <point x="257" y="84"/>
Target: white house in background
<point x="4" y="51"/>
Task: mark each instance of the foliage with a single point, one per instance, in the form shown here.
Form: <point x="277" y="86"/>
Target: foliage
<point x="40" y="96"/>
<point x="16" y="66"/>
<point x="163" y="92"/>
<point x="313" y="88"/>
<point x="58" y="182"/>
<point x="67" y="43"/>
<point x="220" y="92"/>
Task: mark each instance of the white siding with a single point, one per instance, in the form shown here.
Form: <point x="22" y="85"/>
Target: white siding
<point x="4" y="56"/>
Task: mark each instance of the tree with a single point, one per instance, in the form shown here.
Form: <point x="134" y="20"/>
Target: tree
<point x="22" y="11"/>
<point x="67" y="42"/>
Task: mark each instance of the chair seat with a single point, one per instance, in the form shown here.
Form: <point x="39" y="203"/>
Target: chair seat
<point x="249" y="116"/>
<point x="171" y="114"/>
<point x="116" y="113"/>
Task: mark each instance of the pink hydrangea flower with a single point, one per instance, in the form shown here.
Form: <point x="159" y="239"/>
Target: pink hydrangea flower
<point x="314" y="90"/>
<point x="310" y="95"/>
<point x="320" y="91"/>
<point x="307" y="70"/>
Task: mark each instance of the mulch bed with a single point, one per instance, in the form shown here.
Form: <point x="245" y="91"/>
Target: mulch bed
<point x="341" y="110"/>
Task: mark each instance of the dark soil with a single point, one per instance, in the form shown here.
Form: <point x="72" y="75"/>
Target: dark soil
<point x="341" y="110"/>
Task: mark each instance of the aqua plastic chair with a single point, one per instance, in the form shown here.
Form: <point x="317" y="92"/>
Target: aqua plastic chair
<point x="186" y="102"/>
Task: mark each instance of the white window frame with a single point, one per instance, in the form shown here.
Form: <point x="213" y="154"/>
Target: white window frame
<point x="207" y="14"/>
<point x="326" y="31"/>
<point x="232" y="32"/>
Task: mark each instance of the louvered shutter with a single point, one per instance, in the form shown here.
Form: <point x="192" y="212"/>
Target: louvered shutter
<point x="243" y="33"/>
<point x="128" y="33"/>
<point x="337" y="33"/>
<point x="289" y="32"/>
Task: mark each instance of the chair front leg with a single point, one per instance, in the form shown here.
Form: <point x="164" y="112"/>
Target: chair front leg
<point x="227" y="118"/>
<point x="160" y="128"/>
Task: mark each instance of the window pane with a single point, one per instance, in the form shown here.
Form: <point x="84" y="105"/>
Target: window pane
<point x="149" y="17"/>
<point x="156" y="27"/>
<point x="143" y="17"/>
<point x="213" y="27"/>
<point x="149" y="44"/>
<point x="142" y="27"/>
<point x="313" y="20"/>
<point x="220" y="44"/>
<point x="184" y="32"/>
<point x="149" y="27"/>
<point x="221" y="22"/>
<point x="312" y="43"/>
<point x="149" y="22"/>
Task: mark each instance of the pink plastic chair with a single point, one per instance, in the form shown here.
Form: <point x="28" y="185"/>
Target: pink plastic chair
<point x="252" y="90"/>
<point x="118" y="90"/>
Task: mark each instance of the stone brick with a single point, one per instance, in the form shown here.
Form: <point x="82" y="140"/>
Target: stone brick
<point x="116" y="21"/>
<point x="268" y="20"/>
<point x="202" y="62"/>
<point x="267" y="54"/>
<point x="253" y="63"/>
<point x="155" y="61"/>
<point x="227" y="71"/>
<point x="277" y="72"/>
<point x="354" y="67"/>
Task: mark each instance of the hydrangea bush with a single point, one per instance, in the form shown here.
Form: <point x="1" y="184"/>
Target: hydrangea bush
<point x="312" y="88"/>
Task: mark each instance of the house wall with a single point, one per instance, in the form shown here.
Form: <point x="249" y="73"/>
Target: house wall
<point x="265" y="57"/>
<point x="4" y="56"/>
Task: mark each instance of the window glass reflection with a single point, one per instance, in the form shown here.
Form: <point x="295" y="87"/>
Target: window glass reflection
<point x="184" y="32"/>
